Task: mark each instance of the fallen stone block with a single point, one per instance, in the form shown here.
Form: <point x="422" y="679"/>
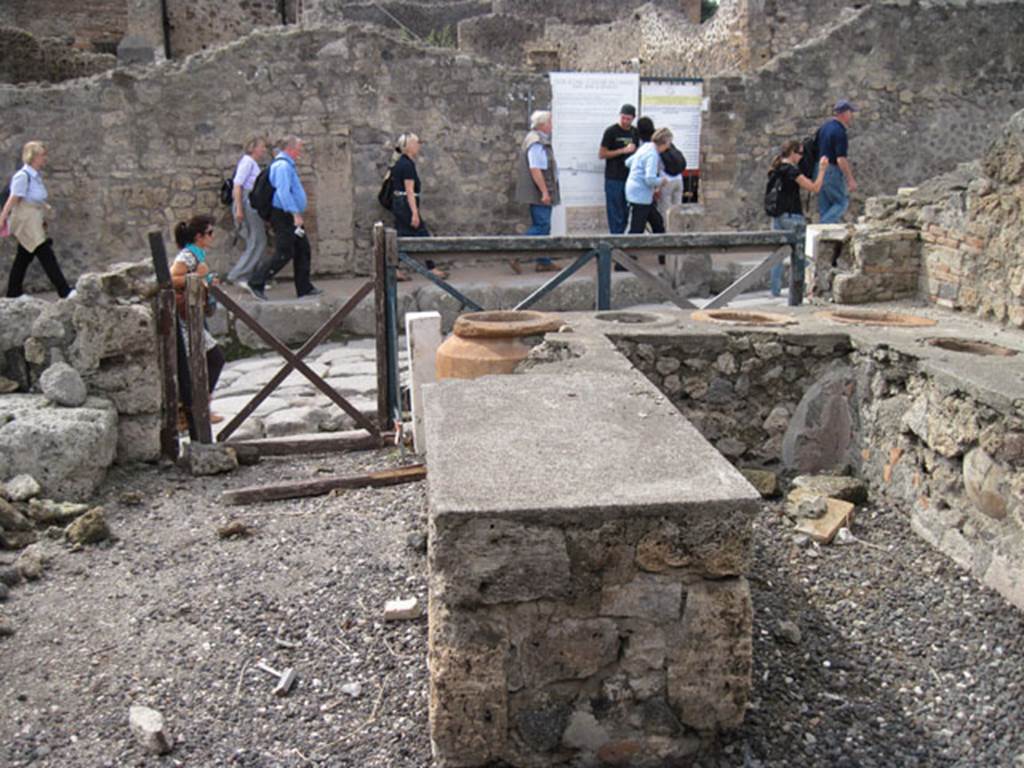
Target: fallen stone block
<point x="90" y="528"/>
<point x="49" y="512"/>
<point x="31" y="563"/>
<point x="147" y="725"/>
<point x="764" y="481"/>
<point x="11" y="519"/>
<point x="202" y="460"/>
<point x="851" y="489"/>
<point x="22" y="488"/>
<point x="824" y="528"/>
<point x="7" y="385"/>
<point x="67" y="450"/>
<point x="63" y="385"/>
<point x="402" y="610"/>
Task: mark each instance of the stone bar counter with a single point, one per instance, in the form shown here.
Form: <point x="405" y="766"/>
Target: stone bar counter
<point x="587" y="556"/>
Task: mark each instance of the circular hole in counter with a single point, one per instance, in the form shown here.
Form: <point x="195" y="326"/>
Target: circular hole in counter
<point x="741" y="317"/>
<point x="876" y="317"/>
<point x="970" y="346"/>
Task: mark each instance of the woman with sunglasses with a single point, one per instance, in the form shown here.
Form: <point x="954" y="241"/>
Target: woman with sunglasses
<point x="791" y="216"/>
<point x="193" y="238"/>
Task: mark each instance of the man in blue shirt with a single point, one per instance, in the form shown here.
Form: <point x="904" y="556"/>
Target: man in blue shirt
<point x="286" y="219"/>
<point x="834" y="198"/>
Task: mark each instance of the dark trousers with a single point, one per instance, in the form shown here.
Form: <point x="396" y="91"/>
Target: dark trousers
<point x="287" y="247"/>
<point x="403" y="224"/>
<point x="640" y="215"/>
<point x="49" y="263"/>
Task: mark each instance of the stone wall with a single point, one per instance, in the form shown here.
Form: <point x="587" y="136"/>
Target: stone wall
<point x="107" y="333"/>
<point x="433" y="21"/>
<point x="88" y="24"/>
<point x="955" y="240"/>
<point x="581" y="612"/>
<point x="24" y="58"/>
<point x="739" y="389"/>
<point x="158" y="141"/>
<point x="195" y="25"/>
<point x="936" y="431"/>
<point x="930" y="96"/>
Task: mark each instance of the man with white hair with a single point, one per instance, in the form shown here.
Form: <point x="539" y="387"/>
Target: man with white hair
<point x="286" y="219"/>
<point x="537" y="180"/>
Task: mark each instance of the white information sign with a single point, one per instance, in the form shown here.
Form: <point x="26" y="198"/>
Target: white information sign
<point x="583" y="104"/>
<point x="676" y="105"/>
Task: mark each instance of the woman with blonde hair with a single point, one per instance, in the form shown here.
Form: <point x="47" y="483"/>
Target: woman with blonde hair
<point x="24" y="214"/>
<point x="405" y="186"/>
<point x="785" y="168"/>
<point x="247" y="219"/>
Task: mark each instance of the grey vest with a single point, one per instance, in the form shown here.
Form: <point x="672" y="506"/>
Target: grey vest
<point x="526" y="190"/>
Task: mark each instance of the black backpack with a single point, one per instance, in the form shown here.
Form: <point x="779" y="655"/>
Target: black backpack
<point x="227" y="192"/>
<point x="673" y="160"/>
<point x="386" y="196"/>
<point x="810" y="156"/>
<point x="262" y="195"/>
<point x="773" y="193"/>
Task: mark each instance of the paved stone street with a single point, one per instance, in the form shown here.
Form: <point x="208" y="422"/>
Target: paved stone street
<point x="296" y="406"/>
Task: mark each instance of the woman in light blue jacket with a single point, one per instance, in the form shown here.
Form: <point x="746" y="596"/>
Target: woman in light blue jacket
<point x="644" y="178"/>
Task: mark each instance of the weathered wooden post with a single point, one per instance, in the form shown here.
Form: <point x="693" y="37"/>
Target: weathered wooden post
<point x="195" y="310"/>
<point x="167" y="349"/>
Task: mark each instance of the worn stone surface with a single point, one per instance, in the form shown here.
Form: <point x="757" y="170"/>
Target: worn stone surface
<point x="11" y="519"/>
<point x="557" y="614"/>
<point x="822" y="432"/>
<point x="49" y="512"/>
<point x="68" y="450"/>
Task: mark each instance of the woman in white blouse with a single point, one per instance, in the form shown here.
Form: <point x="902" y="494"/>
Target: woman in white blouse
<point x="247" y="218"/>
<point x="24" y="214"/>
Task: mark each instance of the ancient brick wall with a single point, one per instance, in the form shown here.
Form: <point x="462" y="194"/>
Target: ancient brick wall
<point x="964" y="232"/>
<point x="136" y="150"/>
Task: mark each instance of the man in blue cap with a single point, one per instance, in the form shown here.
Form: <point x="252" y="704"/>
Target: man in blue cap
<point x="834" y="198"/>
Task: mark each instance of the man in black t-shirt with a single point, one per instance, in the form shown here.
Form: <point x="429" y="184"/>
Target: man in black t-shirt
<point x="618" y="142"/>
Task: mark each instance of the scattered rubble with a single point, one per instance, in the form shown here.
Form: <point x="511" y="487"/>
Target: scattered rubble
<point x="824" y="528"/>
<point x="234" y="529"/>
<point x="402" y="610"/>
<point x="22" y="488"/>
<point x="31" y="563"/>
<point x="203" y="460"/>
<point x="63" y="385"/>
<point x="90" y="528"/>
<point x="49" y="512"/>
<point x="764" y="481"/>
<point x="147" y="725"/>
<point x="851" y="489"/>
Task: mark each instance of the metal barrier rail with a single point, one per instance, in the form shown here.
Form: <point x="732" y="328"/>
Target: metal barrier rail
<point x="390" y="252"/>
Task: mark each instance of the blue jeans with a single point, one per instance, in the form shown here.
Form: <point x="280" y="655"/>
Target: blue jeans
<point x="540" y="224"/>
<point x="615" y="205"/>
<point x="791" y="222"/>
<point x="833" y="200"/>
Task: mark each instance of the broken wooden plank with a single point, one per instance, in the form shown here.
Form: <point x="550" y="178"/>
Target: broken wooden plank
<point x="823" y="529"/>
<point x="333" y="442"/>
<point x="319" y="487"/>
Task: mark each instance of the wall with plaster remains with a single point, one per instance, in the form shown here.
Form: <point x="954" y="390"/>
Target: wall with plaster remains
<point x="156" y="143"/>
<point x="25" y="58"/>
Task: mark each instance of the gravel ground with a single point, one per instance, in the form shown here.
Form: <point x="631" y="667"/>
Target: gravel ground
<point x="876" y="653"/>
